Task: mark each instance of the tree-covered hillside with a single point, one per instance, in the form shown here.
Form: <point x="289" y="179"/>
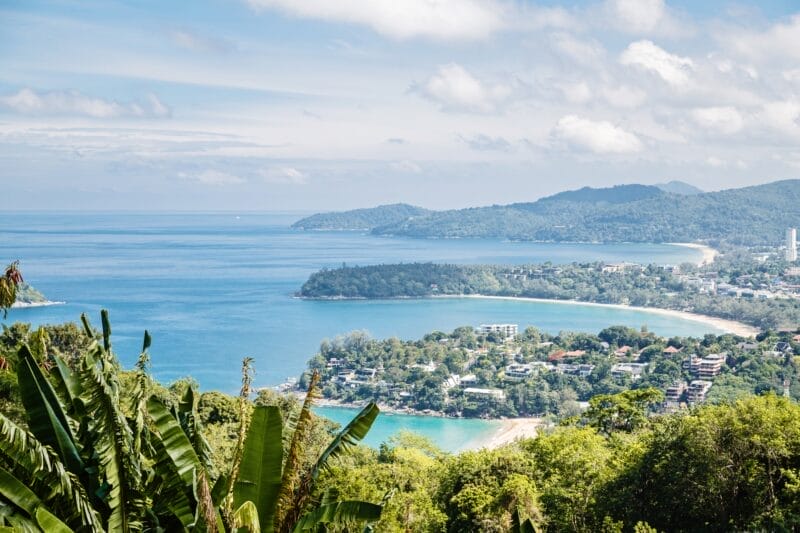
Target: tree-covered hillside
<point x="360" y="219"/>
<point x="651" y="286"/>
<point x="632" y="213"/>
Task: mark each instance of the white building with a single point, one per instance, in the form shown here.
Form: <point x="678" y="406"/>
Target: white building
<point x="490" y="394"/>
<point x="509" y="330"/>
<point x="697" y="391"/>
<point x="791" y="244"/>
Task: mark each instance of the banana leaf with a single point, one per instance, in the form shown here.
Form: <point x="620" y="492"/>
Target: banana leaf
<point x="345" y="512"/>
<point x="356" y="430"/>
<point x="259" y="478"/>
<point x="46" y="416"/>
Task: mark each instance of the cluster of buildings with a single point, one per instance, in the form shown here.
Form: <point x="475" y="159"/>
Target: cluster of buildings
<point x="699" y="371"/>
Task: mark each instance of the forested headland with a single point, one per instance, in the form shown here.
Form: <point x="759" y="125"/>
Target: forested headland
<point x="685" y="289"/>
<point x="624" y="213"/>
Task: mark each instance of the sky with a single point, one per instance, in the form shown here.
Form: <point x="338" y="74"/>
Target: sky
<point x="308" y="105"/>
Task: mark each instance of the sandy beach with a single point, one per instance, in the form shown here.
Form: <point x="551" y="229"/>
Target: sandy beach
<point x="729" y="326"/>
<point x="23" y="305"/>
<point x="709" y="253"/>
<point x="512" y="429"/>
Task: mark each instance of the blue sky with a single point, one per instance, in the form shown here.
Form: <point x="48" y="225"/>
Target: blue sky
<point x="311" y="104"/>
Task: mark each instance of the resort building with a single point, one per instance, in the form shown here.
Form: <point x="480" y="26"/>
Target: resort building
<point x="583" y="370"/>
<point x="675" y="391"/>
<point x="509" y="330"/>
<point x="634" y="370"/>
<point x="710" y="366"/>
<point x="484" y="394"/>
<point x="697" y="391"/>
<point x="791" y="244"/>
<point x="518" y="372"/>
<point x="706" y="367"/>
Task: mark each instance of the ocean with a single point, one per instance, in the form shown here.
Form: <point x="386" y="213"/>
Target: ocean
<point x="214" y="288"/>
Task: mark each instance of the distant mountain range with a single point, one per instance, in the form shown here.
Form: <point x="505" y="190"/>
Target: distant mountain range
<point x="679" y="187"/>
<point x="671" y="212"/>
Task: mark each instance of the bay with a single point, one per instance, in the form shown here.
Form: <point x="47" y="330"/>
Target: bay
<point x="213" y="288"/>
<point x="448" y="434"/>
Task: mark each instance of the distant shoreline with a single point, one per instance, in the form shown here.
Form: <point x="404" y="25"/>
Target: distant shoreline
<point x="26" y="305"/>
<point x="729" y="326"/>
<point x="511" y="430"/>
<point x="709" y="253"/>
<point x="508" y="431"/>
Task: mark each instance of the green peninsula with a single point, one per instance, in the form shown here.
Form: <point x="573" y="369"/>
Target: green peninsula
<point x="741" y="286"/>
<point x="624" y="213"/>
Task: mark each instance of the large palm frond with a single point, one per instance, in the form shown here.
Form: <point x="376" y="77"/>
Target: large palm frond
<point x="112" y="441"/>
<point x="40" y="469"/>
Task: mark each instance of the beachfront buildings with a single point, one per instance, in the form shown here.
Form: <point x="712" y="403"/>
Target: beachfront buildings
<point x="507" y="330"/>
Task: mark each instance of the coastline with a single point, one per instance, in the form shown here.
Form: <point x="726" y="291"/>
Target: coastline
<point x="709" y="253"/>
<point x="25" y="305"/>
<point x="729" y="326"/>
<point x="330" y="402"/>
<point x="510" y="431"/>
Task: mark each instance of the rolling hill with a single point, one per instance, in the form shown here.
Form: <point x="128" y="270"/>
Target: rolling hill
<point x="624" y="213"/>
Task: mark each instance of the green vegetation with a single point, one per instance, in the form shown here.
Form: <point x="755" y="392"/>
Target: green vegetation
<point x="627" y="213"/>
<point x="87" y="446"/>
<point x="650" y="286"/>
<point x="9" y="283"/>
<point x="536" y="374"/>
<point x="361" y="219"/>
<point x="84" y="455"/>
<point x="731" y="467"/>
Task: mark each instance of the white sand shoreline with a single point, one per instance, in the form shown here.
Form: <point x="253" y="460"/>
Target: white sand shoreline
<point x="26" y="305"/>
<point x="508" y="431"/>
<point x="729" y="326"/>
<point x="511" y="430"/>
<point x="709" y="253"/>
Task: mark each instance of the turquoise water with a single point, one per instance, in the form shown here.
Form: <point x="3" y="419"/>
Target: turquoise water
<point x="214" y="288"/>
<point x="449" y="434"/>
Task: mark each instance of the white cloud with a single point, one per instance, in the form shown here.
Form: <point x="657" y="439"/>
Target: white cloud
<point x="783" y="116"/>
<point x="776" y="43"/>
<point x="191" y="40"/>
<point x="600" y="137"/>
<point x="29" y="102"/>
<point x="637" y="16"/>
<point x="455" y="89"/>
<point x="792" y="75"/>
<point x="624" y="96"/>
<point x="726" y="120"/>
<point x="406" y="166"/>
<point x="486" y="143"/>
<point x="403" y="19"/>
<point x="284" y="176"/>
<point x="576" y="93"/>
<point x="583" y="52"/>
<point x="716" y="162"/>
<point x="212" y="177"/>
<point x="644" y="54"/>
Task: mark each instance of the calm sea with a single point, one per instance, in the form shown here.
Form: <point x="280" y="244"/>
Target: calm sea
<point x="213" y="288"/>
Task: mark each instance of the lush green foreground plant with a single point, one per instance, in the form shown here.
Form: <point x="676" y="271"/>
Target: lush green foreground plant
<point x="91" y="462"/>
<point x="728" y="467"/>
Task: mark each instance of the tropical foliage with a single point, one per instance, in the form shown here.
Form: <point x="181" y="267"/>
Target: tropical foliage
<point x="93" y="458"/>
<point x="651" y="286"/>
